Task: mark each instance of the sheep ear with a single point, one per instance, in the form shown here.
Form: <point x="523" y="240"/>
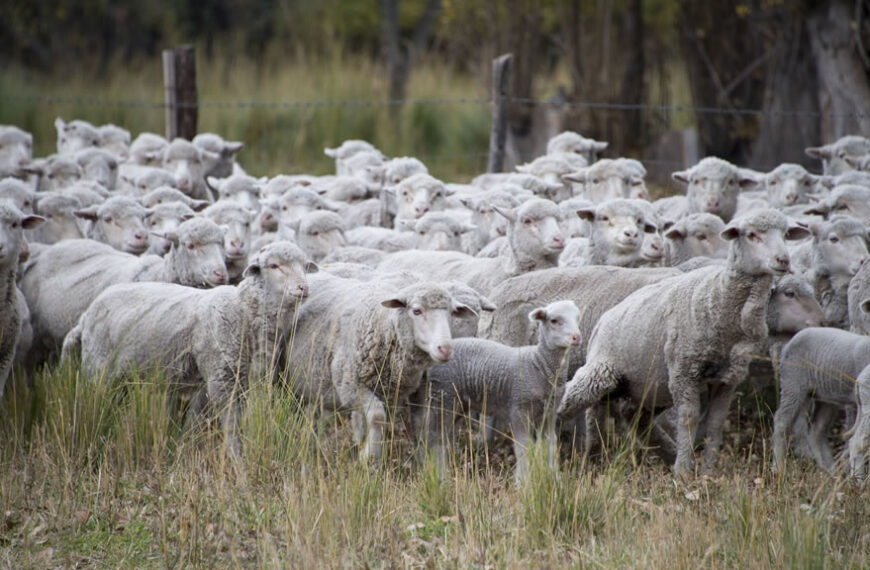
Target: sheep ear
<point x="311" y="267"/>
<point x="214" y="182"/>
<point x="168" y="236"/>
<point x="59" y="125"/>
<point x="587" y="213"/>
<point x="865" y="305"/>
<point x="820" y="209"/>
<point x="185" y="217"/>
<point x="330" y="152"/>
<point x="463" y="311"/>
<point x="667" y="225"/>
<point x="748" y="179"/>
<point x="467" y="202"/>
<point x="486" y="304"/>
<point x="731" y="232"/>
<point x="681" y="176"/>
<point x="252" y="269"/>
<point x="599" y="145"/>
<point x="578" y="176"/>
<point x="209" y="158"/>
<point x="796" y="232"/>
<point x="466" y="229"/>
<point x="675" y="232"/>
<point x="820" y="152"/>
<point x="232" y="148"/>
<point x="408" y="224"/>
<point x="509" y="213"/>
<point x="87" y="213"/>
<point x="199" y="205"/>
<point x="394" y="303"/>
<point x="539" y="314"/>
<point x="30" y="222"/>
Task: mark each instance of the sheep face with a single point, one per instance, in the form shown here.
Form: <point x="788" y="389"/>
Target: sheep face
<point x="758" y="242"/>
<point x="619" y="224"/>
<point x="12" y="226"/>
<point x="60" y="220"/>
<point x="115" y="140"/>
<point x="119" y="222"/>
<point x="437" y="231"/>
<point x="835" y="156"/>
<point x="236" y="222"/>
<point x="418" y="195"/>
<point x="18" y="193"/>
<point x="282" y="268"/>
<point x="652" y="249"/>
<point x="789" y="184"/>
<point x="197" y="253"/>
<point x="188" y="164"/>
<point x="840" y="246"/>
<point x="558" y="324"/>
<point x="242" y="190"/>
<point x="696" y="235"/>
<point x="320" y="233"/>
<point x="536" y="224"/>
<point x="163" y="219"/>
<point x="267" y="218"/>
<point x="148" y="149"/>
<point x="713" y="186"/>
<point x="99" y="166"/>
<point x="57" y="173"/>
<point x="75" y="136"/>
<point x="225" y="152"/>
<point x="850" y="200"/>
<point x="16" y="149"/>
<point x="793" y="306"/>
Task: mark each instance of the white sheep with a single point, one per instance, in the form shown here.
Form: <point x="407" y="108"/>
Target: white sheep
<point x="346" y="150"/>
<point x="164" y="219"/>
<point x="148" y="149"/>
<point x="569" y="141"/>
<point x="319" y="233"/>
<point x="226" y="151"/>
<point x="223" y="338"/>
<point x="833" y="156"/>
<point x="98" y="165"/>
<point x="698" y="330"/>
<point x="165" y="194"/>
<point x="189" y="164"/>
<point x="60" y="219"/>
<point x="713" y="186"/>
<point x="364" y="345"/>
<point x="115" y="139"/>
<point x="75" y="135"/>
<point x="609" y="180"/>
<point x="235" y="220"/>
<point x="415" y="196"/>
<point x="16" y="150"/>
<point x="696" y="235"/>
<point x="119" y="222"/>
<point x="514" y="386"/>
<point x="19" y="193"/>
<point x="239" y="188"/>
<point x="617" y="229"/>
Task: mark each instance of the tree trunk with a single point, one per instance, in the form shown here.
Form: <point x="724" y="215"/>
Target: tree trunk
<point x="631" y="126"/>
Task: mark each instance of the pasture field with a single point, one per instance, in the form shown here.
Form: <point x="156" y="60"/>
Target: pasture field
<point x="109" y="477"/>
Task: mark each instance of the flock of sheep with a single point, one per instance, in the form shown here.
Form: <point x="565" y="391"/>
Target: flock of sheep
<point x="536" y="301"/>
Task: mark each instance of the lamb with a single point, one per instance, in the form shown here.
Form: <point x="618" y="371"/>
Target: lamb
<point x="165" y="194"/>
<point x="189" y="165"/>
<point x="19" y="193"/>
<point x="119" y="222"/>
<point x="75" y="135"/>
<point x="343" y="189"/>
<point x="830" y="261"/>
<point x="61" y="280"/>
<point x="415" y="196"/>
<point x="488" y="224"/>
<point x="16" y="151"/>
<point x="535" y="242"/>
<point x="569" y="141"/>
<point x="700" y="329"/>
<point x="297" y="202"/>
<point x="849" y="199"/>
<point x="617" y="229"/>
<point x="833" y="155"/>
<point x="56" y="172"/>
<point x="713" y="186"/>
<point x="789" y="184"/>
<point x="12" y="226"/>
<point x="164" y="220"/>
<point x="858" y="290"/>
<point x="60" y="220"/>
<point x="819" y="365"/>
<point x="696" y="235"/>
<point x="235" y="220"/>
<point x="551" y="169"/>
<point x="369" y="167"/>
<point x="226" y="152"/>
<point x="223" y="338"/>
<point x="364" y="345"/>
<point x="319" y="233"/>
<point x="514" y="386"/>
<point x="348" y="149"/>
<point x="241" y="189"/>
<point x="148" y="149"/>
<point x="115" y="139"/>
<point x="609" y="180"/>
<point x="98" y="165"/>
<point x="136" y="180"/>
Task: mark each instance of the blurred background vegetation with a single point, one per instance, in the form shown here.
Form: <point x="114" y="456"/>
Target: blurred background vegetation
<point x="632" y="72"/>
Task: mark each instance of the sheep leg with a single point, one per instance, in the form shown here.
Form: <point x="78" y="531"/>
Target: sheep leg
<point x="595" y="422"/>
<point x="720" y="402"/>
<point x="859" y="440"/>
<point x="375" y="420"/>
<point x="818" y="436"/>
<point x="687" y="400"/>
<point x="790" y="403"/>
<point x="221" y="394"/>
<point x="590" y="383"/>
<point x="520" y="432"/>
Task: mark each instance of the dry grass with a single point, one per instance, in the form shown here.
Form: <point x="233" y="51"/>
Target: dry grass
<point x="108" y="477"/>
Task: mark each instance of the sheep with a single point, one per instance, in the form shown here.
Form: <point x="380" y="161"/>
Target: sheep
<point x="56" y="172"/>
<point x="415" y="196"/>
<point x="789" y="184"/>
<point x="348" y="149"/>
<point x="515" y="386"/>
<point x="164" y="219"/>
<point x="713" y="186"/>
<point x="61" y="280"/>
<point x="115" y="139"/>
<point x="148" y="149"/>
<point x="521" y="186"/>
<point x="19" y="193"/>
<point x="369" y="167"/>
<point x="551" y="169"/>
<point x="298" y="201"/>
<point x="241" y="189"/>
<point x="616" y="234"/>
<point x="98" y="165"/>
<point x="849" y="199"/>
<point x="165" y="194"/>
<point x="833" y="257"/>
<point x="119" y="222"/>
<point x="833" y="156"/>
<point x="60" y="220"/>
<point x="819" y="365"/>
<point x="355" y="254"/>
<point x="696" y="235"/>
<point x="609" y="180"/>
<point x="319" y="233"/>
<point x="858" y="290"/>
<point x="189" y="165"/>
<point x="669" y="210"/>
<point x="235" y="220"/>
<point x="221" y="338"/>
<point x="226" y="152"/>
<point x="16" y="151"/>
<point x="535" y="242"/>
<point x="488" y="223"/>
<point x="363" y="345"/>
<point x="569" y="141"/>
<point x="698" y="329"/>
<point x="136" y="180"/>
<point x="75" y="135"/>
<point x="343" y="189"/>
<point x="12" y="226"/>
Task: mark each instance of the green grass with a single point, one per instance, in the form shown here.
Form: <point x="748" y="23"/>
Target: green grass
<point x="107" y="477"/>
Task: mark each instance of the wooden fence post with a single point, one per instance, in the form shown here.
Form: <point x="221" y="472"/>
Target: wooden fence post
<point x="179" y="81"/>
<point x="501" y="92"/>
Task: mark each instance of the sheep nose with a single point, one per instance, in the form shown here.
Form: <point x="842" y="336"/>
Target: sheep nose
<point x="782" y="261"/>
<point x="219" y="276"/>
<point x="575" y="339"/>
<point x="656" y="246"/>
<point x="237" y="243"/>
<point x="303" y="290"/>
<point x="790" y="199"/>
<point x="444" y="351"/>
<point x="140" y="236"/>
<point x="630" y="233"/>
<point x="558" y="241"/>
<point x="419" y="211"/>
<point x="183" y="184"/>
<point x="267" y="217"/>
<point x="712" y="204"/>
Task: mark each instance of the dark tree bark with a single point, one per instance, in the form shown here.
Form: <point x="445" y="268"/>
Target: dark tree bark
<point x="633" y="86"/>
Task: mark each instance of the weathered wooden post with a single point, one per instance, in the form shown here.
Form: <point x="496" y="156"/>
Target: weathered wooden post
<point x="501" y="92"/>
<point x="179" y="81"/>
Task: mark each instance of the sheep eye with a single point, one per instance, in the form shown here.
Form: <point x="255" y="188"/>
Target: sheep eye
<point x="527" y="221"/>
<point x="701" y="237"/>
<point x="752" y="236"/>
<point x="773" y="182"/>
<point x="191" y="246"/>
<point x="315" y="233"/>
<point x="554" y="321"/>
<point x="27" y="203"/>
<point x="834" y="239"/>
<point x="595" y="180"/>
<point x="456" y="234"/>
<point x="14" y="225"/>
<point x="843" y="207"/>
<point x="273" y="266"/>
<point x="284" y="208"/>
<point x="422" y="232"/>
<point x="788" y="293"/>
<point x="47" y="216"/>
<point x="417" y="312"/>
<point x="108" y="219"/>
<point x="605" y="218"/>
